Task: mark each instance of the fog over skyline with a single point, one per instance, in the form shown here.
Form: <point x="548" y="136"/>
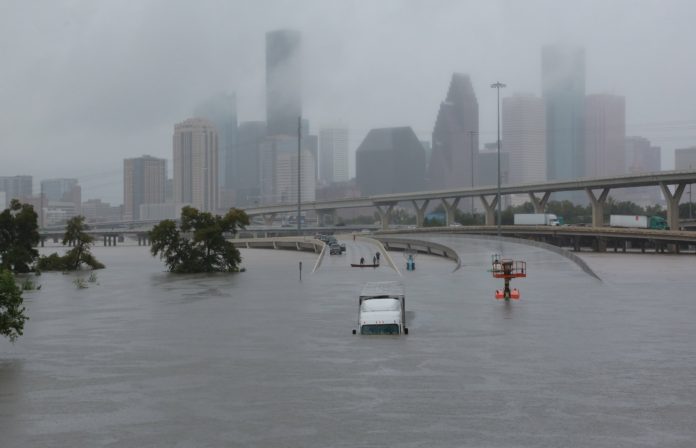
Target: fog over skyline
<point x="85" y="84"/>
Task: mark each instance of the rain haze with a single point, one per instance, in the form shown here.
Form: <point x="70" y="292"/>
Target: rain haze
<point x="86" y="84"/>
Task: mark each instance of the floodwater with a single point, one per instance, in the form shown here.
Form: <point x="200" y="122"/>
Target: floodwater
<point x="144" y="358"/>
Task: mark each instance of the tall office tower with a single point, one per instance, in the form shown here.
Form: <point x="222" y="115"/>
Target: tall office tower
<point x="333" y="154"/>
<point x="250" y="136"/>
<point x="144" y="182"/>
<point x="16" y="187"/>
<point x="278" y="164"/>
<point x="283" y="82"/>
<point x="685" y="158"/>
<point x="640" y="156"/>
<point x="390" y="160"/>
<point x="524" y="134"/>
<point x="222" y="111"/>
<point x="455" y="138"/>
<point x="563" y="86"/>
<point x="196" y="164"/>
<point x="605" y="135"/>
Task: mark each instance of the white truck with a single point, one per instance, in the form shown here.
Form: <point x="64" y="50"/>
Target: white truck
<point x="382" y="309"/>
<point x="638" y="222"/>
<point x="536" y="219"/>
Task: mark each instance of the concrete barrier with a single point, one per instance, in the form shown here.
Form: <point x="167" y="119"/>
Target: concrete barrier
<point x="421" y="246"/>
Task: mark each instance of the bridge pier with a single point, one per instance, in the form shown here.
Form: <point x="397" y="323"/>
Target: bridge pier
<point x="539" y="204"/>
<point x="385" y="214"/>
<point x="450" y="210"/>
<point x="672" y="204"/>
<point x="597" y="206"/>
<point x="489" y="209"/>
<point x="420" y="211"/>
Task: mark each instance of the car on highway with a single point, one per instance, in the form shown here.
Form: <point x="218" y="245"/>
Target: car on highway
<point x="335" y="249"/>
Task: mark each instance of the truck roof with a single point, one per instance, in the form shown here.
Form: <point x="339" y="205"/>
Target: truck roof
<point x="388" y="304"/>
<point x="377" y="289"/>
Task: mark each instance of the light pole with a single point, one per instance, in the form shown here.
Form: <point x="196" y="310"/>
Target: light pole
<point x="498" y="85"/>
<point x="471" y="147"/>
<point x="299" y="172"/>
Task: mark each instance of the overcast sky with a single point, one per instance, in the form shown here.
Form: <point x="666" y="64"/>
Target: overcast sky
<point x="86" y="83"/>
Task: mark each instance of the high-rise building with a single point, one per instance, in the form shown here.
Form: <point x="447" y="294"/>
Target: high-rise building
<point x="641" y="156"/>
<point x="61" y="197"/>
<point x="455" y="138"/>
<point x="605" y="135"/>
<point x="144" y="182"/>
<point x="563" y="86"/>
<point x="524" y="137"/>
<point x="488" y="171"/>
<point x="221" y="110"/>
<point x="390" y="160"/>
<point x="16" y="187"/>
<point x="685" y="158"/>
<point x="333" y="154"/>
<point x="278" y="164"/>
<point x="283" y="82"/>
<point x="250" y="137"/>
<point x="195" y="144"/>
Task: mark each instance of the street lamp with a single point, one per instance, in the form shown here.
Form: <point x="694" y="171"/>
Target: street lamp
<point x="498" y="85"/>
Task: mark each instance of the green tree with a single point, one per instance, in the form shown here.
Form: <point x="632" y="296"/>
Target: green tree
<point x="12" y="316"/>
<point x="199" y="244"/>
<point x="76" y="236"/>
<point x="19" y="235"/>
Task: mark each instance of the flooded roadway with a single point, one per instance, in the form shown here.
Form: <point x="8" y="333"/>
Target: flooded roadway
<point x="146" y="358"/>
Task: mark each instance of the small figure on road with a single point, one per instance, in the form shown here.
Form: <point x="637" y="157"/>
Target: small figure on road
<point x="374" y="260"/>
<point x="377" y="255"/>
<point x="362" y="260"/>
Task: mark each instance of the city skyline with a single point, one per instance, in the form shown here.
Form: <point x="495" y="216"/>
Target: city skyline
<point x="357" y="79"/>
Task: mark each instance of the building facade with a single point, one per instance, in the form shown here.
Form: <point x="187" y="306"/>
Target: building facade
<point x="333" y="155"/>
<point x="563" y="87"/>
<point x="195" y="145"/>
<point x="16" y="187"/>
<point x="279" y="171"/>
<point x="283" y="82"/>
<point x="524" y="137"/>
<point x="390" y="160"/>
<point x="221" y="110"/>
<point x="605" y="135"/>
<point x="144" y="182"/>
<point x="455" y="142"/>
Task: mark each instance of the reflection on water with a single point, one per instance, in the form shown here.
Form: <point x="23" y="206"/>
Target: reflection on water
<point x="148" y="358"/>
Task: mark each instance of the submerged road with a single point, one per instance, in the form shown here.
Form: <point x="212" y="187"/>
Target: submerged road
<point x="146" y="358"/>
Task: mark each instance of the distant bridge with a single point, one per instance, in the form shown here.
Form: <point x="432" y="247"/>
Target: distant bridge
<point x="672" y="184"/>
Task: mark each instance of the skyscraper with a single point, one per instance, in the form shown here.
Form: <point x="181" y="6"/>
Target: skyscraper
<point x="195" y="144"/>
<point x="64" y="194"/>
<point x="605" y="135"/>
<point x="524" y="135"/>
<point x="333" y="154"/>
<point x="221" y="110"/>
<point x="144" y="182"/>
<point x="685" y="158"/>
<point x="563" y="86"/>
<point x="390" y="160"/>
<point x="250" y="137"/>
<point x="455" y="138"/>
<point x="278" y="164"/>
<point x="283" y="82"/>
<point x="16" y="187"/>
<point x="641" y="156"/>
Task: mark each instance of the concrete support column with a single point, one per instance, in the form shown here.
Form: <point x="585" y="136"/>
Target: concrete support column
<point x="104" y="240"/>
<point x="489" y="209"/>
<point x="268" y="219"/>
<point x="420" y="211"/>
<point x="672" y="204"/>
<point x="597" y="206"/>
<point x="450" y="210"/>
<point x="385" y="211"/>
<point x="539" y="204"/>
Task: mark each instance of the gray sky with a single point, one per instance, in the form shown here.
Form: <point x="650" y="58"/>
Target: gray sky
<point x="86" y="83"/>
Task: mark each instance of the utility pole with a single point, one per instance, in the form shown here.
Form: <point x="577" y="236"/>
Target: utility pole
<point x="471" y="147"/>
<point x="299" y="172"/>
<point x="498" y="85"/>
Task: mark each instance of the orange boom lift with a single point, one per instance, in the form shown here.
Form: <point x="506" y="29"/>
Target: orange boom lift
<point x="507" y="270"/>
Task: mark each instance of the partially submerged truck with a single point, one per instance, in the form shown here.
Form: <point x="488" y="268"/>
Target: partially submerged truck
<point x="382" y="309"/>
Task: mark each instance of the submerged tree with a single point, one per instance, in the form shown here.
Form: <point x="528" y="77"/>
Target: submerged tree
<point x="19" y="235"/>
<point x="76" y="236"/>
<point x="199" y="244"/>
<point x="12" y="316"/>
